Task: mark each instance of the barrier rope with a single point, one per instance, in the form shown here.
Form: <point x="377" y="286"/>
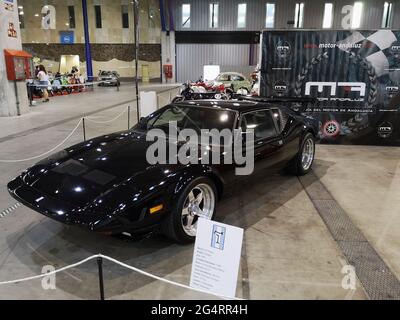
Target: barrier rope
<point x="108" y="121"/>
<point x="87" y="84"/>
<point x="122" y="264"/>
<point x="47" y="152"/>
<point x="73" y="131"/>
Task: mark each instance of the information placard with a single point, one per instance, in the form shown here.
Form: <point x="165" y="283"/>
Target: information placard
<point x="216" y="257"/>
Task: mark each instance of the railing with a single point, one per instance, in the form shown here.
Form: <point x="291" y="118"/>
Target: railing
<point x="163" y="97"/>
<point x="99" y="258"/>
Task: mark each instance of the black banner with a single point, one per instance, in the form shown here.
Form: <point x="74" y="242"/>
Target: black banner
<point x="354" y="75"/>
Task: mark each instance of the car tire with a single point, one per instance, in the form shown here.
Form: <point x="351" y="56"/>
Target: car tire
<point x="302" y="163"/>
<point x="178" y="99"/>
<point x="173" y="226"/>
<point x="243" y="91"/>
<point x="229" y="93"/>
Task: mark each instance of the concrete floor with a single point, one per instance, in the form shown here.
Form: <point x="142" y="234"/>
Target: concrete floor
<point x="288" y="252"/>
<point x="365" y="181"/>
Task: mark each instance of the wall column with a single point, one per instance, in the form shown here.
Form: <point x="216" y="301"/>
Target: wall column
<point x="13" y="96"/>
<point x="88" y="51"/>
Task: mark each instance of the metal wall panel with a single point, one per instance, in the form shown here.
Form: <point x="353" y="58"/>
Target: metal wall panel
<point x="230" y="57"/>
<point x="313" y="14"/>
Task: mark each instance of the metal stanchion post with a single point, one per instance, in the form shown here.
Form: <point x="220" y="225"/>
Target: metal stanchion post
<point x="84" y="129"/>
<point x="129" y="117"/>
<point x="136" y="37"/>
<point x="169" y="97"/>
<point x="30" y="93"/>
<point x="101" y="282"/>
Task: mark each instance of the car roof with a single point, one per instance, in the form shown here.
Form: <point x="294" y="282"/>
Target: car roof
<point x="233" y="105"/>
<point x="233" y="73"/>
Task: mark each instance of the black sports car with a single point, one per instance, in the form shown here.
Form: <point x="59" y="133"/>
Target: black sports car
<point x="107" y="184"/>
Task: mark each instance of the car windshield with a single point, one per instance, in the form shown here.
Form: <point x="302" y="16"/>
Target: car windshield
<point x="107" y="73"/>
<point x="197" y="118"/>
<point x="224" y="77"/>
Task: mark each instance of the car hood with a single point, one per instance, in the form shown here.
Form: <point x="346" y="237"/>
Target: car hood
<point x="92" y="169"/>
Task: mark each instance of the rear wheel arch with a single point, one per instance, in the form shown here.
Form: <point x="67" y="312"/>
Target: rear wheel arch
<point x="312" y="131"/>
<point x="295" y="165"/>
<point x="304" y="133"/>
<point x="218" y="183"/>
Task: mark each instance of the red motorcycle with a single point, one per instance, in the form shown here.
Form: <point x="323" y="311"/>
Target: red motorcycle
<point x="220" y="89"/>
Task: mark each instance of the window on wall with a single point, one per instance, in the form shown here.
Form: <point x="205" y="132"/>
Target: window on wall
<point x="270" y="15"/>
<point x="241" y="16"/>
<point x="328" y="16"/>
<point x="357" y="15"/>
<point x="387" y="15"/>
<point x="125" y="16"/>
<point x="214" y="11"/>
<point x="153" y="17"/>
<point x="186" y="15"/>
<point x="71" y="16"/>
<point x="97" y="12"/>
<point x="299" y="15"/>
<point x="21" y="16"/>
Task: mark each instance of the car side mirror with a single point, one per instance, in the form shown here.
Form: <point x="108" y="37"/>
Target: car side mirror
<point x="142" y="122"/>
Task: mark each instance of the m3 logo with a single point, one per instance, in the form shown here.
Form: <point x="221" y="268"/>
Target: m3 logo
<point x="395" y="49"/>
<point x="392" y="90"/>
<point x="283" y="49"/>
<point x="280" y="87"/>
<point x="335" y="88"/>
<point x="385" y="130"/>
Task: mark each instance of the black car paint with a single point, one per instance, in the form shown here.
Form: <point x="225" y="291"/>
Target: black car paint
<point x="107" y="185"/>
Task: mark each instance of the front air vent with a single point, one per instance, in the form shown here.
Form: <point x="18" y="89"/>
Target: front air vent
<point x="71" y="167"/>
<point x="99" y="177"/>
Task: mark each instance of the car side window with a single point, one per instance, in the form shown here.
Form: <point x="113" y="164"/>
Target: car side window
<point x="237" y="78"/>
<point x="224" y="77"/>
<point x="163" y="120"/>
<point x="262" y="124"/>
<point x="280" y="117"/>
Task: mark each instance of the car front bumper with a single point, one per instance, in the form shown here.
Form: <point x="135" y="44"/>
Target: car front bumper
<point x="137" y="221"/>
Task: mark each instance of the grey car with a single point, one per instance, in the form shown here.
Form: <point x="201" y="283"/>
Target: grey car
<point x="108" y="78"/>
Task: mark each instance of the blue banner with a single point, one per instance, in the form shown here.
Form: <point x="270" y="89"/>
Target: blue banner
<point x="67" y="37"/>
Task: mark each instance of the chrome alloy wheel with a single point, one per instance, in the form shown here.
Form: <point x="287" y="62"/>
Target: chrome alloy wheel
<point x="307" y="156"/>
<point x="200" y="202"/>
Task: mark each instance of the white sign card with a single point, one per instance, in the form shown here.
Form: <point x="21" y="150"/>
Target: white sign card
<point x="210" y="72"/>
<point x="216" y="257"/>
<point x="148" y="103"/>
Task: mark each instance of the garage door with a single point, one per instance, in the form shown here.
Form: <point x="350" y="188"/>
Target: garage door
<point x="191" y="58"/>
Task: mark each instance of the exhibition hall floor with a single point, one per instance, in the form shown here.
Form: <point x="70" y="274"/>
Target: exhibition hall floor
<point x="292" y="249"/>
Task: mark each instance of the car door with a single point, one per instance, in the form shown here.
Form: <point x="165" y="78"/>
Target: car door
<point x="290" y="129"/>
<point x="239" y="82"/>
<point x="268" y="144"/>
<point x="224" y="78"/>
